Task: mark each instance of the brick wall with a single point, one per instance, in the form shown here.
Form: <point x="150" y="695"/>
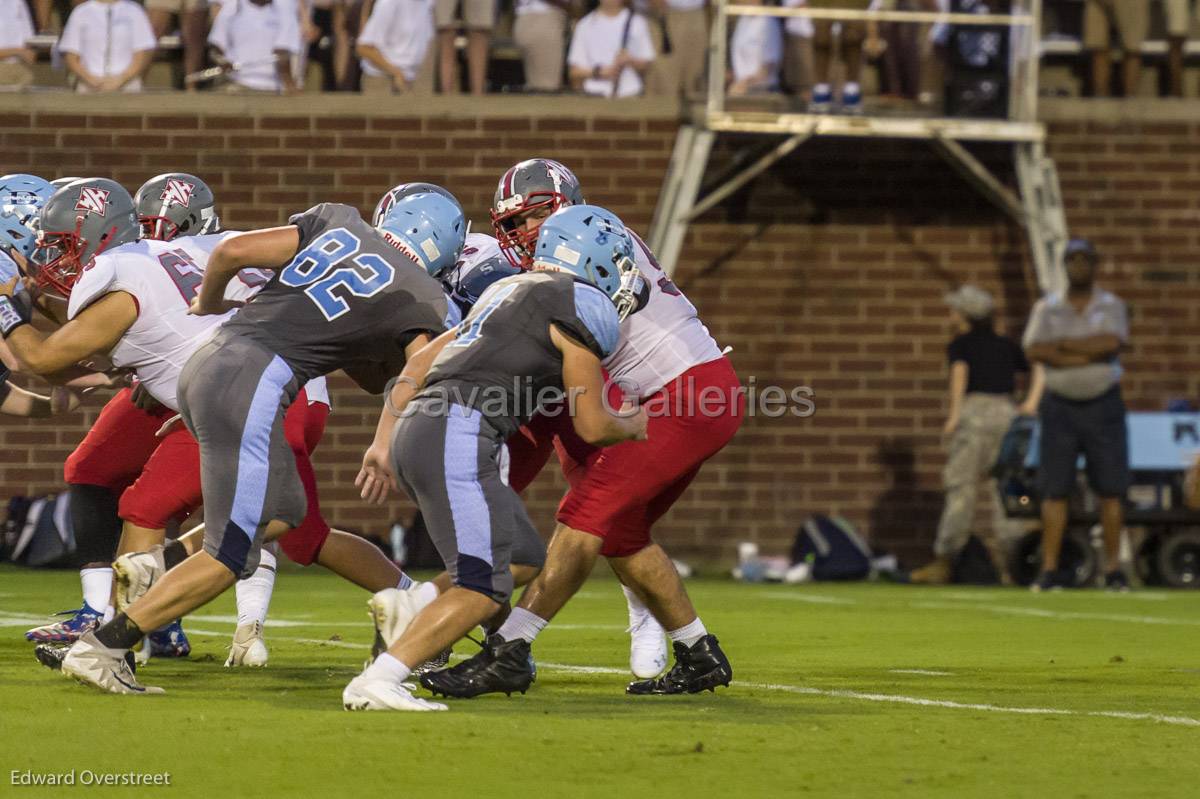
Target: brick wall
<point x="828" y="272"/>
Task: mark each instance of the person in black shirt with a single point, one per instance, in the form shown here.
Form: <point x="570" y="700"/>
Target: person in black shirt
<point x="983" y="370"/>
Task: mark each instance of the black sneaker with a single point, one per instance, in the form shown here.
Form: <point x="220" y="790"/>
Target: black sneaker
<point x="701" y="667"/>
<point x="1047" y="581"/>
<point x="1116" y="581"/>
<point x="502" y="667"/>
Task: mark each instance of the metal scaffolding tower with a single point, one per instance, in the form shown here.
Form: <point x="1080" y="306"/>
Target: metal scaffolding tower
<point x="1036" y="206"/>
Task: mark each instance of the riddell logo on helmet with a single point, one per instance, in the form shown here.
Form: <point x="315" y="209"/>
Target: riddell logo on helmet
<point x="92" y="200"/>
<point x="178" y="192"/>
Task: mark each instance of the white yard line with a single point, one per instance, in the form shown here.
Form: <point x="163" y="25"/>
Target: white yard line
<point x="1182" y="721"/>
<point x="993" y="595"/>
<point x="815" y="599"/>
<point x="1046" y="613"/>
<point x="922" y="672"/>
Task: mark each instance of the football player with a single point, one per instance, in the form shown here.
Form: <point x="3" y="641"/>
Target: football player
<point x="345" y="296"/>
<point x="104" y="473"/>
<point x="665" y="358"/>
<point x="169" y="484"/>
<point x="467" y="398"/>
<point x="21" y="197"/>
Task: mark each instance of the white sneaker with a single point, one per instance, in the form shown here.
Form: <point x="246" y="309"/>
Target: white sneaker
<point x="135" y="572"/>
<point x="364" y="693"/>
<point x="92" y="663"/>
<point x="248" y="647"/>
<point x="647" y="642"/>
<point x="393" y="610"/>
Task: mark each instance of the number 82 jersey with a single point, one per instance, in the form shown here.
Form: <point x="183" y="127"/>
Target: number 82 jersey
<point x="347" y="298"/>
<point x="163" y="278"/>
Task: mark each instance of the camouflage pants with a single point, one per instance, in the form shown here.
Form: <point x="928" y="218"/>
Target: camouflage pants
<point x="973" y="449"/>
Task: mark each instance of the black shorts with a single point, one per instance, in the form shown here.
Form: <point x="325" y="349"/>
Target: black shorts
<point x="1093" y="428"/>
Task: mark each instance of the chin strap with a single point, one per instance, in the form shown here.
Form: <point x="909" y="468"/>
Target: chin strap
<point x="626" y="297"/>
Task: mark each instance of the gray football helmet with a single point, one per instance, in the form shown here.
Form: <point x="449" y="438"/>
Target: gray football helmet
<point x="78" y="222"/>
<point x="536" y="187"/>
<point x="58" y="183"/>
<point x="176" y="204"/>
<point x="407" y="190"/>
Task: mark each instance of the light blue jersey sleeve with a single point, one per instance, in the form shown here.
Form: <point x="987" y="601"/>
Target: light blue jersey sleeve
<point x="8" y="268"/>
<point x="453" y="313"/>
<point x="598" y="313"/>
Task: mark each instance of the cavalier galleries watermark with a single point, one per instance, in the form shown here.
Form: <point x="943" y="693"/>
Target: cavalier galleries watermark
<point x="87" y="778"/>
<point x="685" y="396"/>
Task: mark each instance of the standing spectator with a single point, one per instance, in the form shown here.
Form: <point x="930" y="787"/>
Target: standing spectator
<point x="479" y="18"/>
<point x="192" y="18"/>
<point x="852" y="34"/>
<point x="258" y="39"/>
<point x="611" y="50"/>
<point x="755" y="54"/>
<point x="983" y="370"/>
<point x="798" y="52"/>
<point x="108" y="45"/>
<point x="395" y="45"/>
<point x="539" y="29"/>
<point x="679" y="69"/>
<point x="1077" y="335"/>
<point x="1131" y="20"/>
<point x="904" y="46"/>
<point x="1179" y="26"/>
<point x="16" y="56"/>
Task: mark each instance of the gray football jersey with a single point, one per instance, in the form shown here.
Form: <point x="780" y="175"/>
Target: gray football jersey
<point x="503" y="362"/>
<point x="348" y="298"/>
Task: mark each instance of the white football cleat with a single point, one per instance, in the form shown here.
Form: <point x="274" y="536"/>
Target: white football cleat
<point x="647" y="643"/>
<point x="135" y="572"/>
<point x="92" y="663"/>
<point x="364" y="693"/>
<point x="248" y="647"/>
<point x="393" y="610"/>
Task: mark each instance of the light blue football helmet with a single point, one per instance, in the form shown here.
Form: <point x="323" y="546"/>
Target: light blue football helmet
<point x="428" y="227"/>
<point x="592" y="243"/>
<point x="21" y="198"/>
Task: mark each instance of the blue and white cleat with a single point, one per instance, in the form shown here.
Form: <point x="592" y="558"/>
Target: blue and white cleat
<point x="82" y="622"/>
<point x="168" y="641"/>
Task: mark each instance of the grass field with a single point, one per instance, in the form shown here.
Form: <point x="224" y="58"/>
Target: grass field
<point x="856" y="690"/>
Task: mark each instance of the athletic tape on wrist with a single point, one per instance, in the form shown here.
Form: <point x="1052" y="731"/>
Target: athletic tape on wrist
<point x="11" y="316"/>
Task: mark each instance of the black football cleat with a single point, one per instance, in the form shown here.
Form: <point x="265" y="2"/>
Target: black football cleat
<point x="702" y="667"/>
<point x="51" y="656"/>
<point x="435" y="663"/>
<point x="502" y="667"/>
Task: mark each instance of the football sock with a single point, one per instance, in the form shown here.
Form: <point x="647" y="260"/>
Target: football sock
<point x="636" y="605"/>
<point x="97" y="587"/>
<point x="254" y="593"/>
<point x="427" y="592"/>
<point x="95" y="522"/>
<point x="405" y="583"/>
<point x="120" y="633"/>
<point x="689" y="634"/>
<point x="174" y="553"/>
<point x="521" y="624"/>
<point x="387" y="667"/>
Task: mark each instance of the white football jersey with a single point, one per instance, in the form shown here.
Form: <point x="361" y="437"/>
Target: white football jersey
<point x="662" y="340"/>
<point x="163" y="277"/>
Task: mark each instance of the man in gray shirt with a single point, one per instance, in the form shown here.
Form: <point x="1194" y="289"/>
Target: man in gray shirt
<point x="1077" y="335"/>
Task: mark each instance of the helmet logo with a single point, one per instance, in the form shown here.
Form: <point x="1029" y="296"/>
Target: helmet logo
<point x="92" y="200"/>
<point x="20" y="204"/>
<point x="559" y="174"/>
<point x="177" y="192"/>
